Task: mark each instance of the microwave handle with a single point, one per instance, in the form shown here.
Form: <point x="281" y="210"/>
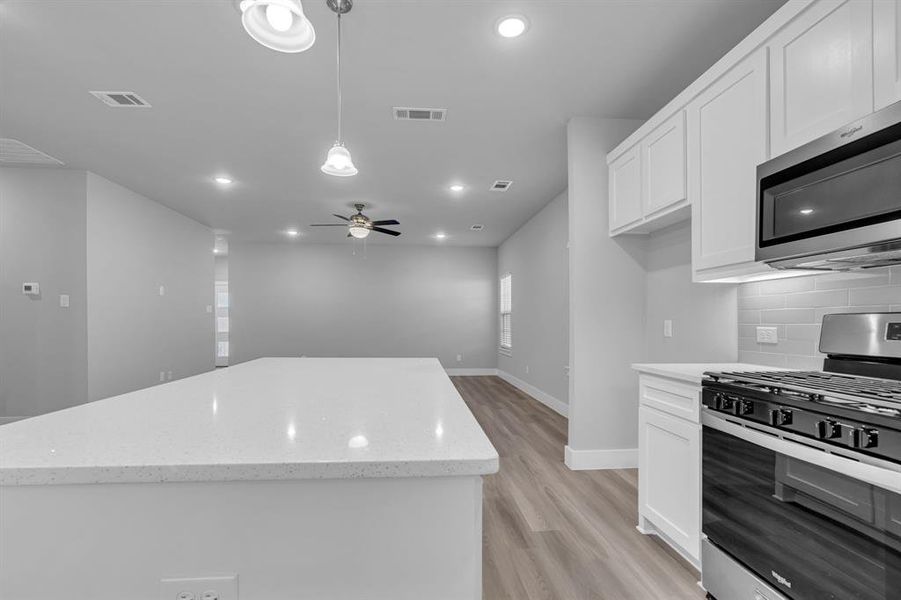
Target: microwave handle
<point x="885" y="478"/>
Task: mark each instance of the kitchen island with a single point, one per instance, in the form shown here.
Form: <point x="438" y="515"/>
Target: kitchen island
<point x="330" y="478"/>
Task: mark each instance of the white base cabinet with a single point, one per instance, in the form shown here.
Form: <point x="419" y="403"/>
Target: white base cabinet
<point x="669" y="464"/>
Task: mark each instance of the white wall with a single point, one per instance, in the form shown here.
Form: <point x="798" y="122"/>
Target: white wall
<point x="43" y="349"/>
<point x="607" y="305"/>
<point x="322" y="300"/>
<point x="537" y="257"/>
<point x="704" y="315"/>
<point x="134" y="246"/>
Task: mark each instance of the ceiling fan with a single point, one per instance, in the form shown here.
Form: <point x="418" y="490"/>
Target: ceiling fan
<point x="359" y="225"/>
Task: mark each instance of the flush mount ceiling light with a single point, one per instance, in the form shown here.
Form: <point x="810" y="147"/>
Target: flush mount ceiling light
<point x="278" y="24"/>
<point x="292" y="233"/>
<point x="339" y="162"/>
<point x="440" y="235"/>
<point x="223" y="180"/>
<point x="456" y="188"/>
<point x="806" y="211"/>
<point x="512" y="26"/>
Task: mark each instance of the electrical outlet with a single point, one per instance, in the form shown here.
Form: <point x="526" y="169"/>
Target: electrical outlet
<point x="162" y="376"/>
<point x="162" y="290"/>
<point x="667" y="328"/>
<point x="459" y="358"/>
<point x="527" y="369"/>
<point x="767" y="335"/>
<point x="169" y="375"/>
<point x="222" y="587"/>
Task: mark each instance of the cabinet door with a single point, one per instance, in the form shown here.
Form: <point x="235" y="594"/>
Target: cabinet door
<point x="822" y="72"/>
<point x="669" y="471"/>
<point x="727" y="139"/>
<point x="886" y="52"/>
<point x="663" y="159"/>
<point x="625" y="189"/>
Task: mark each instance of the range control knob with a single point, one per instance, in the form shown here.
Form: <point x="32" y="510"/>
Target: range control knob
<point x="864" y="438"/>
<point x="726" y="403"/>
<point x="743" y="407"/>
<point x="780" y="416"/>
<point x="828" y="430"/>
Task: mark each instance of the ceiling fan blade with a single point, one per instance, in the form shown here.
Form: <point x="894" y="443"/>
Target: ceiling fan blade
<point x="328" y="225"/>
<point x="340" y="217"/>
<point x="388" y="231"/>
<point x="386" y="222"/>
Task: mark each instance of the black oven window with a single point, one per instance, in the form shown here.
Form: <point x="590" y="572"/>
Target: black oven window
<point x="811" y="533"/>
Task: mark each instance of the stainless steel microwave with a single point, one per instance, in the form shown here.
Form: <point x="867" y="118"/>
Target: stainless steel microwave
<point x="834" y="203"/>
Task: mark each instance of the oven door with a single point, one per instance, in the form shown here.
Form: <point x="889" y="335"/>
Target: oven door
<point x="813" y="525"/>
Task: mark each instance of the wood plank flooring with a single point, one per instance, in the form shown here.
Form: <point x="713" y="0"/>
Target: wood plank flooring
<point x="552" y="533"/>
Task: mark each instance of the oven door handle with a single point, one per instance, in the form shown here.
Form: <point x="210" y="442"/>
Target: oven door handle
<point x="884" y="478"/>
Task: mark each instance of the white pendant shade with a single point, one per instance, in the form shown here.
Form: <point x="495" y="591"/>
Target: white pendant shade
<point x="340" y="164"/>
<point x="278" y="24"/>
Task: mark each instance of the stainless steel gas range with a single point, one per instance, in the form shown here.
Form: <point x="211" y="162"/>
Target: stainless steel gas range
<point x="802" y="472"/>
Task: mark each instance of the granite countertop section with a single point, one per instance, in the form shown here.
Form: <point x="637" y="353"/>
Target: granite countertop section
<point x="268" y="419"/>
<point x="693" y="372"/>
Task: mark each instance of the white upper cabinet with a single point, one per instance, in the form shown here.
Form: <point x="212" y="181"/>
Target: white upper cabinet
<point x="822" y="72"/>
<point x="886" y="52"/>
<point x="663" y="160"/>
<point x="647" y="181"/>
<point x="625" y="189"/>
<point x="727" y="139"/>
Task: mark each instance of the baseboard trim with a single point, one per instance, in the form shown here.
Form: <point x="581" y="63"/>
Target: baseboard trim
<point x="556" y="405"/>
<point x="470" y="372"/>
<point x="581" y="460"/>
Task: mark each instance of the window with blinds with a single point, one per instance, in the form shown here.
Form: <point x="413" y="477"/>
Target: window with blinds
<point x="506" y="305"/>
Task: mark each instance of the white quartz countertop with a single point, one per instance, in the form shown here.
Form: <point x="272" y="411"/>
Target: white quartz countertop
<point x="268" y="419"/>
<point x="693" y="372"/>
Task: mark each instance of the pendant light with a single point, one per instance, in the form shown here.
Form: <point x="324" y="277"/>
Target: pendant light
<point x="278" y="24"/>
<point x="338" y="162"/>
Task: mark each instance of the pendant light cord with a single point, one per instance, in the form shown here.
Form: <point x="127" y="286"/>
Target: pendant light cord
<point x="339" y="77"/>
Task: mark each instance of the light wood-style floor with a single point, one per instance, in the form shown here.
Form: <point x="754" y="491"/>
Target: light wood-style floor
<point x="552" y="533"/>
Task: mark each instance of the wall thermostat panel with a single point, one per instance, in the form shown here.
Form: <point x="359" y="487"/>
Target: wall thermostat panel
<point x="31" y="289"/>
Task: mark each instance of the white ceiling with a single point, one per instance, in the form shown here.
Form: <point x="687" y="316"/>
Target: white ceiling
<point x="224" y="104"/>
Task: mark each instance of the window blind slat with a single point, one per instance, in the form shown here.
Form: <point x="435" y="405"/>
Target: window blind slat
<point x="506" y="310"/>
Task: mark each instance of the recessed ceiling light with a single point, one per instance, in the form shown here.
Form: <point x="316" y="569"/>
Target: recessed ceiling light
<point x="512" y="26"/>
<point x="223" y="180"/>
<point x="292" y="232"/>
<point x="440" y="235"/>
<point x="805" y="211"/>
<point x="456" y="188"/>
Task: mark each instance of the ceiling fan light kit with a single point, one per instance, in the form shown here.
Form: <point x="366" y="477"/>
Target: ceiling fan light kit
<point x="278" y="24"/>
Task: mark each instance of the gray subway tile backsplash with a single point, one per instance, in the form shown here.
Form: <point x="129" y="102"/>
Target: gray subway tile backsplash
<point x="796" y="306"/>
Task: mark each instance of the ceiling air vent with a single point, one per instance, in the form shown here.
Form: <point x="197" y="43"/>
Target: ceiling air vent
<point x="121" y="99"/>
<point x="405" y="113"/>
<point x="477" y="227"/>
<point x="500" y="186"/>
<point x="14" y="152"/>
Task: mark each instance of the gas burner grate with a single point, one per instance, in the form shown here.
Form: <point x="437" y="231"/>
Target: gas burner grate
<point x="885" y="393"/>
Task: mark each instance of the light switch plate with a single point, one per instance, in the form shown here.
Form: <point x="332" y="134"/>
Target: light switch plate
<point x="667" y="328"/>
<point x="218" y="587"/>
<point x="767" y="335"/>
<point x="64" y="300"/>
